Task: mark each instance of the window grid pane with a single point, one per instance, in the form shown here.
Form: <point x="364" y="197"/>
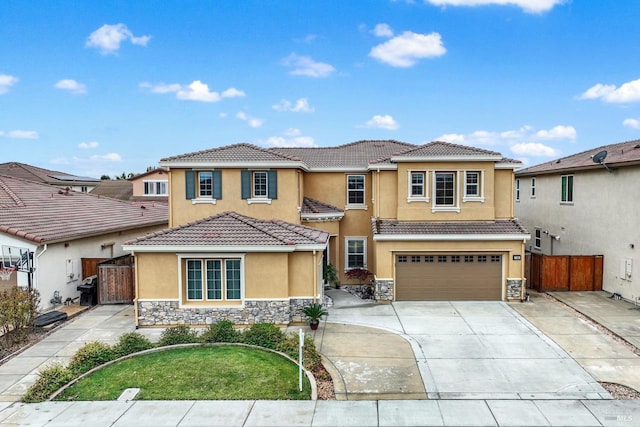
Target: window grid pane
<point x="259" y="184"/>
<point x="445" y="185"/>
<point x="232" y="270"/>
<point x="214" y="279"/>
<point x="417" y="184"/>
<point x="194" y="280"/>
<point x="355" y="189"/>
<point x="473" y="184"/>
<point x="355" y="253"/>
<point x="205" y="180"/>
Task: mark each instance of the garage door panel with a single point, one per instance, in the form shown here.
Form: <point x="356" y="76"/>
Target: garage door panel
<point x="471" y="277"/>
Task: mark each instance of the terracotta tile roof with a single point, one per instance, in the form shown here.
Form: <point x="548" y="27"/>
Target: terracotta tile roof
<point x="356" y="155"/>
<point x="232" y="229"/>
<point x="115" y="188"/>
<point x="618" y="155"/>
<point x="45" y="176"/>
<point x="394" y="227"/>
<point x="313" y="206"/>
<point x="237" y="153"/>
<point x="446" y="149"/>
<point x="44" y="213"/>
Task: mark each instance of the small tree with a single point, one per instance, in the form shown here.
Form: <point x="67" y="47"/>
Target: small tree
<point x="331" y="275"/>
<point x="18" y="311"/>
<point x="362" y="275"/>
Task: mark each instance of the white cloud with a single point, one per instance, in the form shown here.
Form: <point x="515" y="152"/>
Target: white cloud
<point x="109" y="37"/>
<point x="530" y="6"/>
<point x="195" y="91"/>
<point x="631" y="123"/>
<point x="20" y="134"/>
<point x="534" y="149"/>
<point x="309" y="38"/>
<point x="300" y="106"/>
<point x="72" y="86"/>
<point x="558" y="132"/>
<point x="305" y="66"/>
<point x="382" y="30"/>
<point x="88" y="145"/>
<point x="454" y="138"/>
<point x="253" y="122"/>
<point x="382" y="122"/>
<point x="627" y="93"/>
<point x="406" y="49"/>
<point x="291" y="137"/>
<point x="6" y="81"/>
<point x="111" y="157"/>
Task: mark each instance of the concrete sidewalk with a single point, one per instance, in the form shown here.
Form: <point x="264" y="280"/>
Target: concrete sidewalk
<point x="325" y="413"/>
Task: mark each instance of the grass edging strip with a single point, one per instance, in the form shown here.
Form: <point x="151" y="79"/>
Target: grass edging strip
<point x="310" y="377"/>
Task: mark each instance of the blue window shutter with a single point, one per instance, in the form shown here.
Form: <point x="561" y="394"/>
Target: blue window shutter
<point x="245" y="184"/>
<point x="217" y="184"/>
<point x="190" y="184"/>
<point x="273" y="184"/>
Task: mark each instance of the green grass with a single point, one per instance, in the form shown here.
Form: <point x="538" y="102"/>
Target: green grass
<point x="196" y="373"/>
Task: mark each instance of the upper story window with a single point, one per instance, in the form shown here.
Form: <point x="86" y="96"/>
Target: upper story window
<point x="445" y="194"/>
<point x="517" y="190"/>
<point x="417" y="186"/>
<point x="537" y="242"/>
<point x="84" y="189"/>
<point x="259" y="186"/>
<point x="533" y="187"/>
<point x="200" y="186"/>
<point x="355" y="190"/>
<point x="355" y="252"/>
<point x="473" y="186"/>
<point x="567" y="189"/>
<point x="155" y="188"/>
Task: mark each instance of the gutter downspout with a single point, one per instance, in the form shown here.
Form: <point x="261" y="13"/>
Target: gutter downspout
<point x="316" y="289"/>
<point x="135" y="297"/>
<point x="45" y="247"/>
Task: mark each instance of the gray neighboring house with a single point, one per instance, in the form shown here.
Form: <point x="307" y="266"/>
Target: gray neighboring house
<point x="61" y="227"/>
<point x="578" y="205"/>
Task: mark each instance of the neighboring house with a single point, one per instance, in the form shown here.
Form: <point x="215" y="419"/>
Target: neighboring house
<point x="120" y="189"/>
<point x="151" y="185"/>
<point x="60" y="227"/>
<point x="252" y="229"/>
<point x="45" y="176"/>
<point x="577" y="206"/>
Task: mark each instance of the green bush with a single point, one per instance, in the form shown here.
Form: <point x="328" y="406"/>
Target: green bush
<point x="222" y="331"/>
<point x="131" y="342"/>
<point x="265" y="335"/>
<point x="180" y="334"/>
<point x="50" y="379"/>
<point x="90" y="356"/>
<point x="18" y="310"/>
<point x="310" y="357"/>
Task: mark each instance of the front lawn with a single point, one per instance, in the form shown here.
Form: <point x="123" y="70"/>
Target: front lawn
<point x="196" y="373"/>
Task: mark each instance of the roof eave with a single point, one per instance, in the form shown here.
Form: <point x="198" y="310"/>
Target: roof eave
<point x="451" y="158"/>
<point x="322" y="217"/>
<point x="451" y="237"/>
<point x="203" y="165"/>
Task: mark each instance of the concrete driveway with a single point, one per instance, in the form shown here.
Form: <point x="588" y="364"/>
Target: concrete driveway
<point x="463" y="350"/>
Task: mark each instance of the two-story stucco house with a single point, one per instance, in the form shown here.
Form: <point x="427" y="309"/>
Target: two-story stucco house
<point x="577" y="206"/>
<point x="251" y="229"/>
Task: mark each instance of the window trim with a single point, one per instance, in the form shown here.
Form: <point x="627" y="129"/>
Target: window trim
<point x="517" y="189"/>
<point x="480" y="184"/>
<point x="248" y="185"/>
<point x="347" y="239"/>
<point x="362" y="205"/>
<point x="532" y="191"/>
<point x="537" y="238"/>
<point x="425" y="186"/>
<point x="155" y="183"/>
<point x="566" y="194"/>
<point x="455" y="206"/>
<point x="183" y="260"/>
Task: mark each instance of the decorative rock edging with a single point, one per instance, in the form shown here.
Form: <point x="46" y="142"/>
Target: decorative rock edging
<point x="310" y="377"/>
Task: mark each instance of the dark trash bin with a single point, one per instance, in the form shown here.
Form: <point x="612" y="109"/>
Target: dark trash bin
<point x="89" y="291"/>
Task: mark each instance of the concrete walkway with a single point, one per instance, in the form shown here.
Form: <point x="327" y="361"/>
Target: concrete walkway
<point x="604" y="357"/>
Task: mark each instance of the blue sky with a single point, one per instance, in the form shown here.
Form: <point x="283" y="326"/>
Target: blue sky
<point x="107" y="87"/>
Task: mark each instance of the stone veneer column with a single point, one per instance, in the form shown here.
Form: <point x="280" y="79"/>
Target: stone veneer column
<point x="384" y="290"/>
<point x="514" y="289"/>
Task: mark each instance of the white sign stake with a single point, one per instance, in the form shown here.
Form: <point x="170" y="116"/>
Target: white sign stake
<point x="301" y="335"/>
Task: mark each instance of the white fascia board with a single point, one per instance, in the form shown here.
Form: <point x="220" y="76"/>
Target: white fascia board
<point x="234" y="249"/>
<point x="431" y="159"/>
<point x="383" y="167"/>
<point x="341" y="170"/>
<point x="513" y="166"/>
<point x="321" y="217"/>
<point x="234" y="165"/>
<point x="308" y="248"/>
<point x="450" y="237"/>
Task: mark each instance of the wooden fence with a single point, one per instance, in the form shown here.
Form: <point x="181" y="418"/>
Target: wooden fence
<point x="564" y="272"/>
<point x="116" y="280"/>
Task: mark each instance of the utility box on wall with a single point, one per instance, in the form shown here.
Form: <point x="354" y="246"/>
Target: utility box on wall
<point x="73" y="270"/>
<point x="626" y="267"/>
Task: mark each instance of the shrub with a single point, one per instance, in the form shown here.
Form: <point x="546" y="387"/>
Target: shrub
<point x="222" y="331"/>
<point x="310" y="357"/>
<point x="131" y="342"/>
<point x="181" y="334"/>
<point x="265" y="335"/>
<point x="90" y="356"/>
<point x="50" y="379"/>
<point x="18" y="310"/>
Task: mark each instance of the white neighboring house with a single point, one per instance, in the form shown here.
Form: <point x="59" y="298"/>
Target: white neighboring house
<point x="587" y="204"/>
<point x="62" y="226"/>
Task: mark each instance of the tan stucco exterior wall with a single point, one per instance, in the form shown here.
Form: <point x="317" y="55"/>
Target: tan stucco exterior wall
<point x="302" y="282"/>
<point x="285" y="207"/>
<point x="156" y="275"/>
<point x="267" y="275"/>
<point x="504" y="179"/>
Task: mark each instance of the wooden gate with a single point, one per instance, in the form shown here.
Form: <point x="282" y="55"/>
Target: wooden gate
<point x="565" y="272"/>
<point x="116" y="280"/>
